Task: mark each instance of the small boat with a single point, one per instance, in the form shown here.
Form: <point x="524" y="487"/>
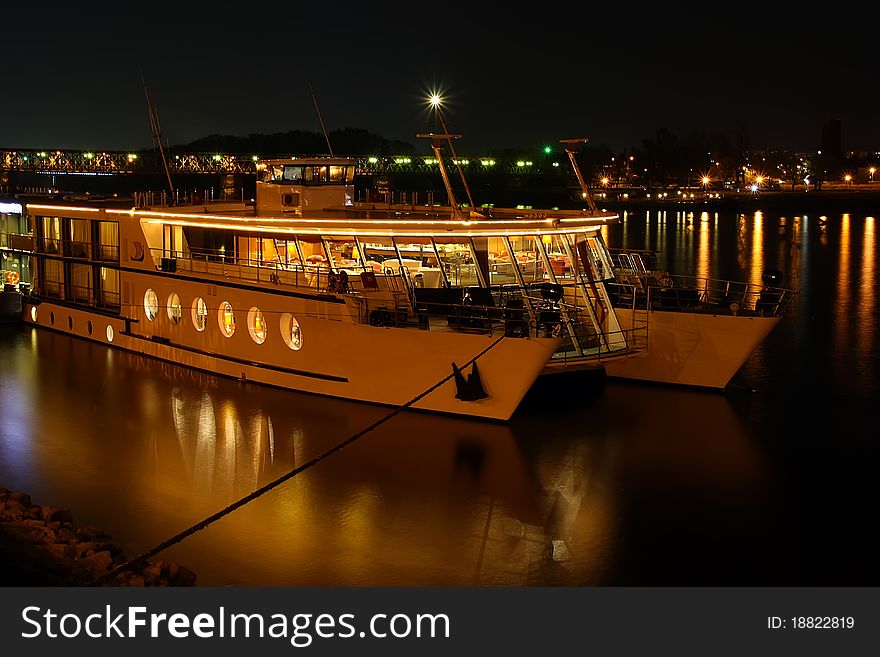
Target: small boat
<point x="441" y="309"/>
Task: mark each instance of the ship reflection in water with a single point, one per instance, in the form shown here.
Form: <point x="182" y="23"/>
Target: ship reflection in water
<point x="145" y="449"/>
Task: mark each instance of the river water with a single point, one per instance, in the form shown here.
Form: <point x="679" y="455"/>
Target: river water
<point x="770" y="483"/>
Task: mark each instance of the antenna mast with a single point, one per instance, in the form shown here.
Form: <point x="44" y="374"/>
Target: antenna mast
<point x="157" y="135"/>
<point x="436" y="101"/>
<point x="321" y="120"/>
<point x="571" y="147"/>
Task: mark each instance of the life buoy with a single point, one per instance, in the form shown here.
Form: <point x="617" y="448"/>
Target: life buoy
<point x="12" y="277"/>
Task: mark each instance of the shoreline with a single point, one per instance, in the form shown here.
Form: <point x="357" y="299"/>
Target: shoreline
<point x="41" y="546"/>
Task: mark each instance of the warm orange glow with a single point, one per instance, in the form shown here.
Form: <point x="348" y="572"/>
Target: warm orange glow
<point x="706" y="180"/>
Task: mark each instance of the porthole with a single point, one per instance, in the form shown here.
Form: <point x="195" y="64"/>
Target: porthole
<point x="70" y="323"/>
<point x="89" y="327"/>
<point x="151" y="304"/>
<point x="52" y="318"/>
<point x="109" y="333"/>
<point x="291" y="332"/>
<point x="175" y="311"/>
<point x="200" y="314"/>
<point x="226" y="319"/>
<point x="33" y="313"/>
<point x="257" y="325"/>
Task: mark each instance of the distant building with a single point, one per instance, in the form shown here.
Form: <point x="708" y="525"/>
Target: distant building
<point x="831" y="138"/>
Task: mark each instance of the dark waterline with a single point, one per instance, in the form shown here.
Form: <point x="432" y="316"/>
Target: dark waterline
<point x="636" y="484"/>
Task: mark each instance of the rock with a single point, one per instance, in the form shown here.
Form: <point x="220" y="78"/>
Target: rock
<point x="22" y="498"/>
<point x="67" y="535"/>
<point x="185" y="577"/>
<point x="91" y="533"/>
<point x="13" y="510"/>
<point x="137" y="580"/>
<point x="173" y="571"/>
<point x="56" y="514"/>
<point x="33" y="512"/>
<point x="100" y="562"/>
<point x="153" y="573"/>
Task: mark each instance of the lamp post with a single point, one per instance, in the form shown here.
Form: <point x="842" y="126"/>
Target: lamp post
<point x="872" y="171"/>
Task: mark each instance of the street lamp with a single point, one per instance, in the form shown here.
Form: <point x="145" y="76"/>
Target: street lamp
<point x="847" y="179"/>
<point x="872" y="171"/>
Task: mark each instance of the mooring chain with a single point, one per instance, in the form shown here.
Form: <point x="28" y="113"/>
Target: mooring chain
<point x="177" y="538"/>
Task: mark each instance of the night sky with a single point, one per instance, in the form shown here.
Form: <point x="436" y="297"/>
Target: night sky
<point x="511" y="76"/>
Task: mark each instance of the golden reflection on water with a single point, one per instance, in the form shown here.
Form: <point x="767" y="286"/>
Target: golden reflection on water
<point x="703" y="255"/>
<point x="756" y="255"/>
<point x="842" y="307"/>
<point x="867" y="312"/>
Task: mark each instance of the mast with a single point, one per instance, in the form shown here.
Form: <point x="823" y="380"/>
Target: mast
<point x="321" y="121"/>
<point x="572" y="146"/>
<point x="157" y="136"/>
<point x="437" y="102"/>
<point x="437" y="146"/>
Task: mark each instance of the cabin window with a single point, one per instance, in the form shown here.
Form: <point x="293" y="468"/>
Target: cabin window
<point x="528" y="260"/>
<point x="291" y="332"/>
<point x="337" y="174"/>
<point x="501" y="268"/>
<point x="53" y="277"/>
<point x="343" y="253"/>
<point x="51" y="238"/>
<point x="293" y="174"/>
<point x="226" y="319"/>
<point x="349" y="174"/>
<point x="109" y="333"/>
<point x="199" y="314"/>
<point x="270" y="172"/>
<point x="108" y="240"/>
<point x="175" y="311"/>
<point x="458" y="262"/>
<point x="151" y="304"/>
<point x="108" y="288"/>
<point x="80" y="283"/>
<point x="79" y="244"/>
<point x="257" y="325"/>
<point x="316" y="174"/>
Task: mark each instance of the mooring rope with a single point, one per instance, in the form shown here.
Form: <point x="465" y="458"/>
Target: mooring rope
<point x="177" y="538"/>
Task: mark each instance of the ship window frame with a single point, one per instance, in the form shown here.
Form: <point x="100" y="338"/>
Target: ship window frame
<point x="196" y="315"/>
<point x="251" y="324"/>
<point x="174" y="305"/>
<point x="286" y="324"/>
<point x="226" y="328"/>
<point x="110" y="333"/>
<point x="151" y="304"/>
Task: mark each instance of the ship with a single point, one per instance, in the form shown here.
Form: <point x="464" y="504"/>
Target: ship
<point x="443" y="308"/>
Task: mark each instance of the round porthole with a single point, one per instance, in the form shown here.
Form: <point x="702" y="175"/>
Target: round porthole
<point x="34" y="314"/>
<point x="52" y="318"/>
<point x="226" y="319"/>
<point x="175" y="310"/>
<point x="257" y="325"/>
<point x="151" y="304"/>
<point x="70" y="323"/>
<point x="200" y="314"/>
<point x="89" y="327"/>
<point x="291" y="332"/>
<point x="109" y="333"/>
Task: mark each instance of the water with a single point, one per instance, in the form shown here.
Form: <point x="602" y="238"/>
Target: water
<point x="769" y="484"/>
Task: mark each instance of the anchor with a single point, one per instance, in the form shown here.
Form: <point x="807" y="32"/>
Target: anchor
<point x="470" y="389"/>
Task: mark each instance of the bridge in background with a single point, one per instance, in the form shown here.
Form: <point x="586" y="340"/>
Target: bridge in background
<point x="150" y="162"/>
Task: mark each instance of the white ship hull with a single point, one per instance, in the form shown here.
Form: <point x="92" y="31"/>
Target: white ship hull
<point x="693" y="349"/>
<point x="382" y="365"/>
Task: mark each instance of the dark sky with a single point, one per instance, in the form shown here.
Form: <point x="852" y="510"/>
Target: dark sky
<point x="512" y="75"/>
